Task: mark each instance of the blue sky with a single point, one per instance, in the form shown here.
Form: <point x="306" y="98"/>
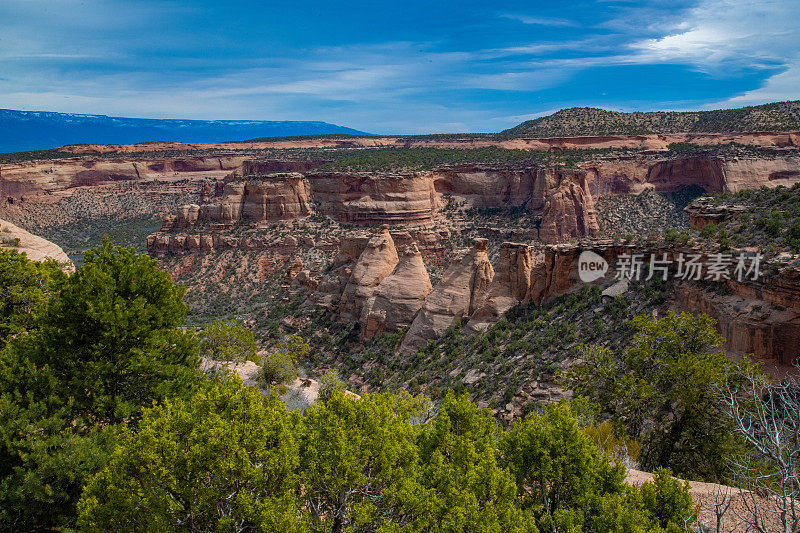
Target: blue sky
<point x="394" y="67"/>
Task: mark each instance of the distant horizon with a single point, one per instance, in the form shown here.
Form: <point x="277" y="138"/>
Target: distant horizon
<point x="345" y="126"/>
<point x="410" y="68"/>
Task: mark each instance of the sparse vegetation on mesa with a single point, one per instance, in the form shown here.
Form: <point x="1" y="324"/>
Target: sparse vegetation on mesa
<point x="778" y="116"/>
<point x="391" y="159"/>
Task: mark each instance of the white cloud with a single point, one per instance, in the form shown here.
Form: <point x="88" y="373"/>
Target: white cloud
<point x="723" y="37"/>
<point x="783" y="86"/>
<point x="728" y="33"/>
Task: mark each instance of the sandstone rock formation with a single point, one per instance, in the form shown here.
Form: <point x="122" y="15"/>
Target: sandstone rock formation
<point x="714" y="173"/>
<point x="488" y="186"/>
<point x="460" y="292"/>
<point x="281" y="196"/>
<point x="760" y="318"/>
<point x="277" y="196"/>
<point x="569" y="210"/>
<point x="377" y="261"/>
<point x="374" y="198"/>
<point x="56" y="176"/>
<point x="35" y="248"/>
<point x="510" y="285"/>
<point x="398" y="297"/>
<point x="294" y="269"/>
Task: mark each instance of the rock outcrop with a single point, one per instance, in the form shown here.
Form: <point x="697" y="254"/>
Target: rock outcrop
<point x="569" y="211"/>
<point x="702" y="212"/>
<point x="757" y="317"/>
<point x="713" y="173"/>
<point x="375" y="198"/>
<point x="277" y="196"/>
<point x="35" y="248"/>
<point x="377" y="261"/>
<point x="54" y="177"/>
<point x="460" y="292"/>
<point x="399" y="297"/>
<point x="511" y="284"/>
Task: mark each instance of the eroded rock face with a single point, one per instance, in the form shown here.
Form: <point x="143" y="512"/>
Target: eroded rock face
<point x="282" y="196"/>
<point x="375" y="198"/>
<point x="460" y="292"/>
<point x="751" y="173"/>
<point x="631" y="175"/>
<point x="398" y="297"/>
<point x="510" y="285"/>
<point x="377" y="261"/>
<point x="278" y="196"/>
<point x="486" y="186"/>
<point x="760" y="318"/>
<point x="672" y="175"/>
<point x="569" y="210"/>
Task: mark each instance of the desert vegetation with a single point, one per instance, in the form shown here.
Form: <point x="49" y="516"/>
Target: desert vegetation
<point x="769" y="219"/>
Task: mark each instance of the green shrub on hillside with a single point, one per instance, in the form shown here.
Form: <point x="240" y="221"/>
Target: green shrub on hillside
<point x="26" y="286"/>
<point x="664" y="391"/>
<point x="230" y="459"/>
<point x="228" y="341"/>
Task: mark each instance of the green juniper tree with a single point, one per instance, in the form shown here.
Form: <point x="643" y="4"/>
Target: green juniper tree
<point x="102" y="346"/>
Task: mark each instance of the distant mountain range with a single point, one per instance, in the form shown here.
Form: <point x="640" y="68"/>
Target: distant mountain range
<point x="39" y="130"/>
<point x="577" y="121"/>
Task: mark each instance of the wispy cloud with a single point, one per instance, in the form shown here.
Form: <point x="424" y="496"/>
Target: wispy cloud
<point x="539" y="21"/>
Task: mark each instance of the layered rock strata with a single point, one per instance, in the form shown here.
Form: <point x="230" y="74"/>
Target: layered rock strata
<point x="714" y="173"/>
<point x="460" y="292"/>
<point x="375" y="198"/>
<point x="277" y="196"/>
<point x="569" y="211"/>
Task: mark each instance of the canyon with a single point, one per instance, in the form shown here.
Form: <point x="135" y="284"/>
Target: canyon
<point x="386" y="248"/>
<point x="759" y="317"/>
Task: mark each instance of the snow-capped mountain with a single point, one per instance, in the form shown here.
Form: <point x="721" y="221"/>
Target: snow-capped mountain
<point x="38" y="130"/>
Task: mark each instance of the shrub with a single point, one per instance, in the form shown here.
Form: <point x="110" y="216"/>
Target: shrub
<point x="623" y="449"/>
<point x="330" y="383"/>
<point x="226" y="457"/>
<point x="278" y="369"/>
<point x="228" y="341"/>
